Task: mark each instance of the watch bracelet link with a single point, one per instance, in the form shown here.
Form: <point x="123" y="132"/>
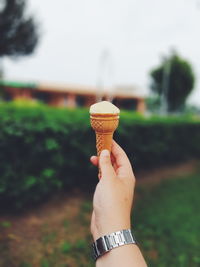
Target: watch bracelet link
<point x="105" y="243"/>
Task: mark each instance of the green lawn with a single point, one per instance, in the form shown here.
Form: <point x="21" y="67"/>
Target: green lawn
<point x="166" y="222"/>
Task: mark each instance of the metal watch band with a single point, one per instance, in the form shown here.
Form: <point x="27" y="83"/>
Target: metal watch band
<point x="114" y="240"/>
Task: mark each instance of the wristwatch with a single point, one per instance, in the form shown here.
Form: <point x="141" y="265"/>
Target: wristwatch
<point x="107" y="242"/>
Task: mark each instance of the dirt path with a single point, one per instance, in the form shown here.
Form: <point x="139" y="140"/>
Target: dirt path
<point x="155" y="176"/>
<point x="43" y="233"/>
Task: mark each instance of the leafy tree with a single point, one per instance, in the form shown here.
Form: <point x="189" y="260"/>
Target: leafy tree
<point x="18" y="32"/>
<point x="174" y="79"/>
<point x="153" y="103"/>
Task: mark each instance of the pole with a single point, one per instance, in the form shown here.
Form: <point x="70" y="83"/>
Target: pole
<point x="165" y="86"/>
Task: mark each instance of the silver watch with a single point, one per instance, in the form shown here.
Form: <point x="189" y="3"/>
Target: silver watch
<point x="114" y="240"/>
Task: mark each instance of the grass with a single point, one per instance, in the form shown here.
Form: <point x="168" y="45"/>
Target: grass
<point x="166" y="222"/>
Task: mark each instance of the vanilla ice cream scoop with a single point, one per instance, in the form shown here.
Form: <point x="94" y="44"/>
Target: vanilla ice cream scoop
<point x="104" y="107"/>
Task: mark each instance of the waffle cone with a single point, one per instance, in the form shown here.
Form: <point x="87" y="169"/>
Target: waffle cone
<point x="104" y="126"/>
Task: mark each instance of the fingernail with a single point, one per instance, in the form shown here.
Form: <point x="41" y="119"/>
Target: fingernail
<point x="105" y="153"/>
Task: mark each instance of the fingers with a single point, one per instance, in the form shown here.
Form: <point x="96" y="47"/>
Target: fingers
<point x="118" y="161"/>
<point x="124" y="168"/>
<point x="106" y="165"/>
<point x="94" y="160"/>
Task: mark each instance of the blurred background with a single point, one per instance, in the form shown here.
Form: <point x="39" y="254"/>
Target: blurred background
<point x="56" y="59"/>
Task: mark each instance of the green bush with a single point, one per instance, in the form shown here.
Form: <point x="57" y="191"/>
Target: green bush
<point x="43" y="149"/>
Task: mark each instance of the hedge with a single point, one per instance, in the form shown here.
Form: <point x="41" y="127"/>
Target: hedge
<point x="44" y="149"/>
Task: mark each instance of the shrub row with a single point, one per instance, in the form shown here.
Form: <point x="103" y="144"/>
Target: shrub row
<point x="43" y="149"/>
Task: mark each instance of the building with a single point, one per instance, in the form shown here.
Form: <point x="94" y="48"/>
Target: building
<point x="125" y="97"/>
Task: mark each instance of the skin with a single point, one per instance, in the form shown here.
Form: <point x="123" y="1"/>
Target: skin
<point x="112" y="205"/>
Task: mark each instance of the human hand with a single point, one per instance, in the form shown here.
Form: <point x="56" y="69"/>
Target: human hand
<point x="113" y="196"/>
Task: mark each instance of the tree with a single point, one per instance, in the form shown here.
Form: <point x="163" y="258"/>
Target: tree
<point x="18" y="32"/>
<point x="173" y="81"/>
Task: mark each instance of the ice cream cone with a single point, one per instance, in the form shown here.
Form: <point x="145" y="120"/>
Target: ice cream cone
<point x="104" y="126"/>
<point x="104" y="118"/>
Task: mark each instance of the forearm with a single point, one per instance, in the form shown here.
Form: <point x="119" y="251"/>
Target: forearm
<point x="127" y="255"/>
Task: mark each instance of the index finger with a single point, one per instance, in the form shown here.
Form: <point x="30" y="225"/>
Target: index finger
<point x="124" y="168"/>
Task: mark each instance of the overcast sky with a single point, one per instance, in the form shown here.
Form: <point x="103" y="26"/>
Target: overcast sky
<point x="74" y="34"/>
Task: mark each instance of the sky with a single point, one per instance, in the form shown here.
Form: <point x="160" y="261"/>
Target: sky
<point x="136" y="35"/>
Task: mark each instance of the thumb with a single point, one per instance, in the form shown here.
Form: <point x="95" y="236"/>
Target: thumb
<point x="106" y="165"/>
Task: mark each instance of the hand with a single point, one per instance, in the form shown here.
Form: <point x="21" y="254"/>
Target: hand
<point x="113" y="196"/>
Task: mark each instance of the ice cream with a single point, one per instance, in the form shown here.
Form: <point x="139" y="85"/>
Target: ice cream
<point x="104" y="107"/>
<point x="104" y="118"/>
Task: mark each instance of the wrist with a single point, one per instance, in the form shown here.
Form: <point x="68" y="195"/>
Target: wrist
<point x="113" y="240"/>
<point x="110" y="227"/>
